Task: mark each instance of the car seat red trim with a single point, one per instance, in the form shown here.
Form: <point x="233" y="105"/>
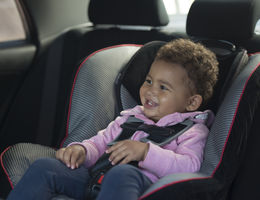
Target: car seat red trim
<point x="2" y="164"/>
<point x="251" y="54"/>
<point x="234" y="119"/>
<point x="75" y="78"/>
<point x="211" y="176"/>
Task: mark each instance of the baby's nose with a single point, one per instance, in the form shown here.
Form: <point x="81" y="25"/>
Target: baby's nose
<point x="152" y="91"/>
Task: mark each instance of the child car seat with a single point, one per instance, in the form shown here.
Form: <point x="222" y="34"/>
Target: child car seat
<point x="94" y="86"/>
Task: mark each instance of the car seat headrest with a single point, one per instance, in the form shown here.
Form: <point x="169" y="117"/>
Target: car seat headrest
<point x="223" y="19"/>
<point x="131" y="12"/>
<point x="133" y="74"/>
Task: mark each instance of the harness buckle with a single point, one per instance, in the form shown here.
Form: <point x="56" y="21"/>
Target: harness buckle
<point x="95" y="186"/>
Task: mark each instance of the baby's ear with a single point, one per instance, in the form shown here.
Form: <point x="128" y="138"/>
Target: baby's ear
<point x="194" y="102"/>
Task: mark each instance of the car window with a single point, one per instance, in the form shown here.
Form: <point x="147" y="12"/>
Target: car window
<point x="177" y="11"/>
<point x="10" y="22"/>
<point x="257" y="28"/>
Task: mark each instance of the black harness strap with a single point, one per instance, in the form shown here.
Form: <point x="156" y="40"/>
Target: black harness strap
<point x="156" y="134"/>
<point x="129" y="128"/>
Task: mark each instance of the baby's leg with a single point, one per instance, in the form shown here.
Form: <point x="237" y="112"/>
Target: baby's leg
<point x="123" y="182"/>
<point x="48" y="177"/>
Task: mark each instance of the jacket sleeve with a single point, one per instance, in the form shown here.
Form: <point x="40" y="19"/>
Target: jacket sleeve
<point x="96" y="145"/>
<point x="184" y="154"/>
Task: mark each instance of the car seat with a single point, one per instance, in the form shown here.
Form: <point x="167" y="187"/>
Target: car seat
<point x="94" y="86"/>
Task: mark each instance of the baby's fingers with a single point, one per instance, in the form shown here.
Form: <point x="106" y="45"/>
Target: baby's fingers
<point x="67" y="157"/>
<point x="62" y="155"/>
<point x="126" y="160"/>
<point x="80" y="161"/>
<point x="114" y="147"/>
<point x="116" y="157"/>
<point x="76" y="159"/>
<point x="59" y="153"/>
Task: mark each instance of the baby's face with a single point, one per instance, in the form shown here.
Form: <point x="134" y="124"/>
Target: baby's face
<point x="165" y="90"/>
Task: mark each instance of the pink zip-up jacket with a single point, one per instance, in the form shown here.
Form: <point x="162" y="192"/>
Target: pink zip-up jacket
<point x="183" y="154"/>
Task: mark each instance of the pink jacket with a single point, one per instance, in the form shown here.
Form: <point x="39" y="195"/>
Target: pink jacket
<point x="183" y="154"/>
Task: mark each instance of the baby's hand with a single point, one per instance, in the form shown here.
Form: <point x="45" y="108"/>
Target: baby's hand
<point x="127" y="151"/>
<point x="73" y="156"/>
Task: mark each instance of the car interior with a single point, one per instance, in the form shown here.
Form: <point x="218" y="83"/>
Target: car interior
<point x="84" y="61"/>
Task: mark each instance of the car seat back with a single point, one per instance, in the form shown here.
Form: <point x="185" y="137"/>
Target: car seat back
<point x="92" y="102"/>
<point x="233" y="118"/>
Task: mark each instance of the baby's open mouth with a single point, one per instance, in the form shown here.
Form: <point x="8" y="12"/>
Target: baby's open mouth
<point x="150" y="104"/>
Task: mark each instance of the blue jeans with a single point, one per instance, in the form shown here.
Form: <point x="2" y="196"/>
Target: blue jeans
<point x="48" y="177"/>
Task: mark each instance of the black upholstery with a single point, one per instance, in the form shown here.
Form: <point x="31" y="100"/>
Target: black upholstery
<point x="128" y="12"/>
<point x="231" y="60"/>
<point x="105" y="37"/>
<point x="223" y="19"/>
<point x="246" y="183"/>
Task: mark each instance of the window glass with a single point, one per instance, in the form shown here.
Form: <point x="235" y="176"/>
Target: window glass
<point x="177" y="11"/>
<point x="257" y="28"/>
<point x="11" y="26"/>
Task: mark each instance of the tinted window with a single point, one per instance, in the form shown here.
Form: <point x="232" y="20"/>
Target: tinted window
<point x="177" y="11"/>
<point x="10" y="22"/>
<point x="257" y="28"/>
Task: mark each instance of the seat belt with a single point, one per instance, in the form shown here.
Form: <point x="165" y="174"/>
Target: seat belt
<point x="157" y="135"/>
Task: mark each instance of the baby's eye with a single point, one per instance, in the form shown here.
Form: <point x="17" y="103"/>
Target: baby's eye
<point x="148" y="81"/>
<point x="162" y="87"/>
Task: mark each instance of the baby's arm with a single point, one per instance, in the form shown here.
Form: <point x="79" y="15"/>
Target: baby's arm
<point x="185" y="157"/>
<point x="93" y="148"/>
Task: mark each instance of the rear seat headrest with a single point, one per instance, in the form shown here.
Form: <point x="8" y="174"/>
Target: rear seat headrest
<point x="223" y="19"/>
<point x="128" y="12"/>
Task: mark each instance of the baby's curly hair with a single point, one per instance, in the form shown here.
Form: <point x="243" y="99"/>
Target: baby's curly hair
<point x="200" y="63"/>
